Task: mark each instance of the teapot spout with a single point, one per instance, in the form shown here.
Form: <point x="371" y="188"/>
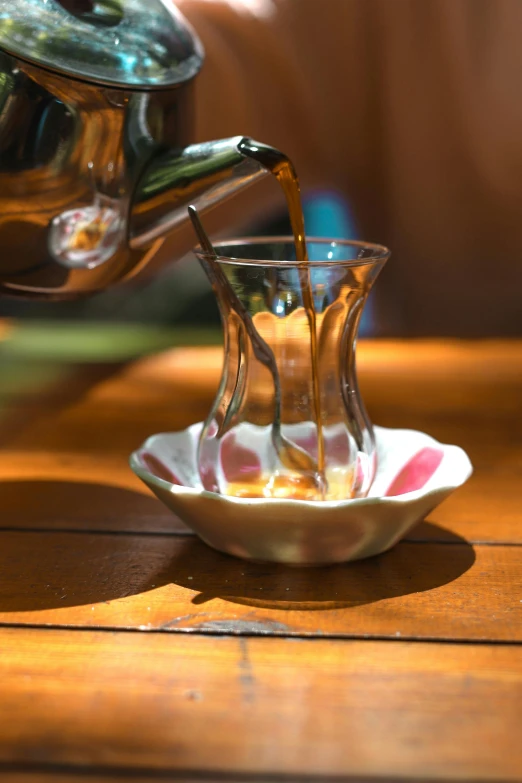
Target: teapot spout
<point x="201" y="174"/>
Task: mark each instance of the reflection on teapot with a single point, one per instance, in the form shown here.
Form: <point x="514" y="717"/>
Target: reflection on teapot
<point x="96" y="165"/>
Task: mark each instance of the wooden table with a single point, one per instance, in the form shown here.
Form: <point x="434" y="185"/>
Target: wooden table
<point x="131" y="651"/>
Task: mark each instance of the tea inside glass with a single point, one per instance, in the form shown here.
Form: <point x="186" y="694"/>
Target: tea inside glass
<point x="276" y="429"/>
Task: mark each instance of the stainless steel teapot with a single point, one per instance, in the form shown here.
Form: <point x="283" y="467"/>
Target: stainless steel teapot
<point x="96" y="164"/>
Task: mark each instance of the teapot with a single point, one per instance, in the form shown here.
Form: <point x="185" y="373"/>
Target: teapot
<point x="96" y="159"/>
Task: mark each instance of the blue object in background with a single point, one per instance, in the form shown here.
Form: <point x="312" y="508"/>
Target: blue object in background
<point x="327" y="214"/>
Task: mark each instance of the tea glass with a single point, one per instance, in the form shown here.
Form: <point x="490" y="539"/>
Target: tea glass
<point x="288" y="420"/>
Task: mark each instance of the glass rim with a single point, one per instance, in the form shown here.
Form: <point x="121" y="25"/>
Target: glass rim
<point x="380" y="253"/>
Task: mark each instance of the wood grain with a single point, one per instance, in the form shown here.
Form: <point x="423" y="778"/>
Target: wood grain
<point x="213" y="669"/>
<point x="194" y="703"/>
<point x="487" y="509"/>
<point x="82" y="774"/>
<point x="75" y="491"/>
<point x="417" y="591"/>
<point x="72" y="773"/>
<point x="76" y="774"/>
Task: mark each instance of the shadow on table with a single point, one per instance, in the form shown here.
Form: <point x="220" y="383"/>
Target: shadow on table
<point x="57" y="568"/>
<point x="408" y="568"/>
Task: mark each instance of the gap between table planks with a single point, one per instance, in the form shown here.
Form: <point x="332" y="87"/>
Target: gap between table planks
<point x="178" y="584"/>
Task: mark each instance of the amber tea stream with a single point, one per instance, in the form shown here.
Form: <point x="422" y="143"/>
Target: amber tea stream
<point x="283" y="170"/>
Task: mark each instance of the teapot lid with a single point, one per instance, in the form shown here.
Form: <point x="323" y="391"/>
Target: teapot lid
<point x="139" y="44"/>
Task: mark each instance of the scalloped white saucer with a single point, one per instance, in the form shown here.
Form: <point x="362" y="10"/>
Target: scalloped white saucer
<point x="414" y="474"/>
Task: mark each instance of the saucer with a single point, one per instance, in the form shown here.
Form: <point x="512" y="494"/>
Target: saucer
<point x="414" y="474"/>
